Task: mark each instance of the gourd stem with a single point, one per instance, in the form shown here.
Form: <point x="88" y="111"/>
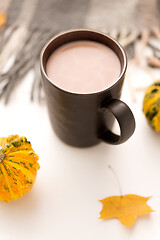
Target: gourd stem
<point x="1" y="155"/>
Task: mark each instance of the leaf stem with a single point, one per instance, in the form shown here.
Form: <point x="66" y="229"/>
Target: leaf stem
<point x="117" y="179"/>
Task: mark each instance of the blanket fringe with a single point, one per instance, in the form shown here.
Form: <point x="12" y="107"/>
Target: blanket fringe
<point x="26" y="57"/>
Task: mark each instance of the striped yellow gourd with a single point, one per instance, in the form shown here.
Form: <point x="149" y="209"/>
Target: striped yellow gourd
<point x="18" y="167"/>
<point x="151" y="105"/>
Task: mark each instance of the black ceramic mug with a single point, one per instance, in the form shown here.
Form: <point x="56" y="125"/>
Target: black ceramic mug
<point x="83" y="120"/>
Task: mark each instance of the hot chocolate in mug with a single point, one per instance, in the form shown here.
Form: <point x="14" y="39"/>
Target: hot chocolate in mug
<point x="83" y="73"/>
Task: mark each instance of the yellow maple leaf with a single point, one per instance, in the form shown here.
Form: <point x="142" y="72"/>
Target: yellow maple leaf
<point x="3" y="18"/>
<point x="126" y="208"/>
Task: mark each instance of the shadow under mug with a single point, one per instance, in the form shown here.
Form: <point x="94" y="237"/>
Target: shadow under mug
<point x="83" y="120"/>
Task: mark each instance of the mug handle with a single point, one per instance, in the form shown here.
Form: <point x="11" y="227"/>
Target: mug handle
<point x="125" y="120"/>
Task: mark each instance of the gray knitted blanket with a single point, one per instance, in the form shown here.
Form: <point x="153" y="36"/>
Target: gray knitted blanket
<point x="31" y="23"/>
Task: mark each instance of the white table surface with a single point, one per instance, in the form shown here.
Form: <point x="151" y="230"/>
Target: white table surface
<point x="63" y="204"/>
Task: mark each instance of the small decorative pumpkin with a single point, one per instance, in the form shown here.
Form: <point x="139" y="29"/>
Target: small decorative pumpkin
<point x="18" y="167"/>
<point x="151" y="105"/>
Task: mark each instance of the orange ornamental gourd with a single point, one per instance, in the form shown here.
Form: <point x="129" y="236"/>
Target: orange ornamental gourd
<point x="18" y="167"/>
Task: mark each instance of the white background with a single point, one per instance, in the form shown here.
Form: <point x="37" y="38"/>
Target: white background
<point x="64" y="202"/>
